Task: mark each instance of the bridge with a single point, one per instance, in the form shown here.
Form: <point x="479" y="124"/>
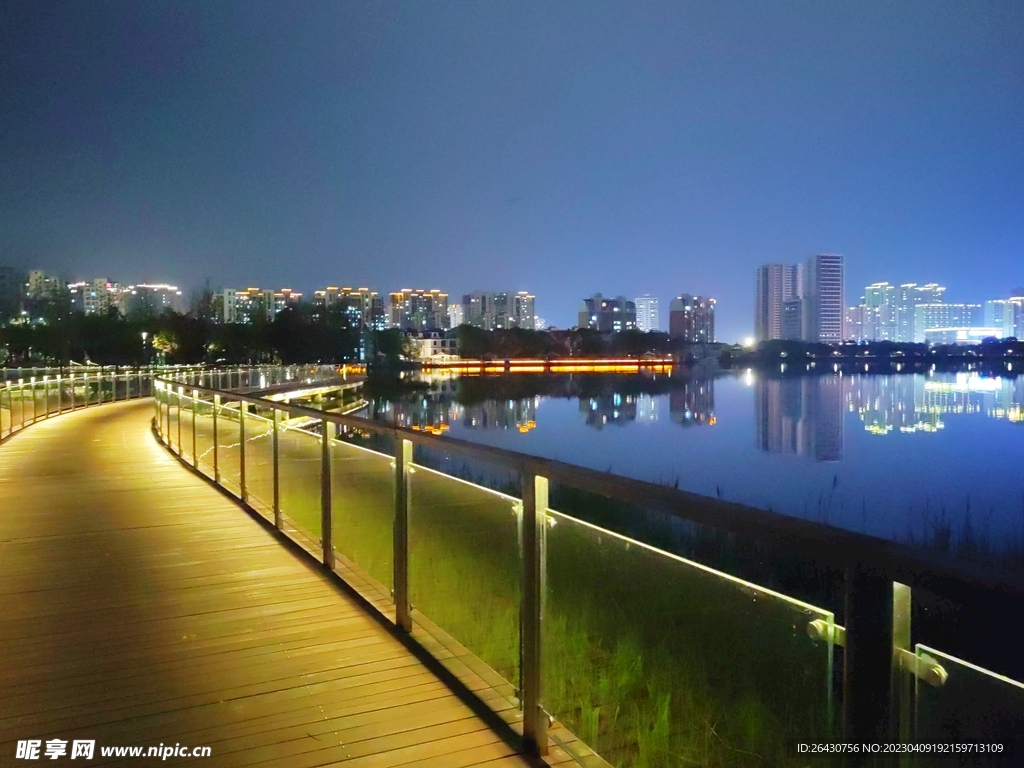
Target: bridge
<point x="188" y="559"/>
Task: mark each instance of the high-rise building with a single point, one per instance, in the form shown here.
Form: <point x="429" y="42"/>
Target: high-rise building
<point x="419" y="310"/>
<point x="935" y="316"/>
<point x="497" y="311"/>
<point x="880" y="322"/>
<point x="607" y="315"/>
<point x="149" y="298"/>
<point x="456" y="315"/>
<point x="284" y="298"/>
<point x="776" y="285"/>
<point x="248" y="306"/>
<point x="823" y="299"/>
<point x="692" y="318"/>
<point x="1006" y="314"/>
<point x="647" y="313"/>
<point x="95" y="296"/>
<point x="363" y="307"/>
<point x="40" y="285"/>
<point x="793" y="319"/>
<point x="12" y="287"/>
<point x="524" y="313"/>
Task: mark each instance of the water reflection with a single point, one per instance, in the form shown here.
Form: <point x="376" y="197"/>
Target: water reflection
<point x="693" y="403"/>
<point x="911" y="404"/>
<point x="801" y="416"/>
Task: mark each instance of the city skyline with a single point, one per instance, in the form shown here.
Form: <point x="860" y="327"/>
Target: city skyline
<point x="784" y="295"/>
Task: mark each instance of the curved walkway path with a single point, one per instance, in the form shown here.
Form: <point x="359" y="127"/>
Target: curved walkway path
<point x="139" y="606"/>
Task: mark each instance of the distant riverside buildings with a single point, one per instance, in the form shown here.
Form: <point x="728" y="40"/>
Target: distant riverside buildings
<point x="254" y="305"/>
<point x="890" y="313"/>
<point x="498" y="311"/>
<point x="41" y="285"/>
<point x="777" y="285"/>
<point x="419" y="310"/>
<point x="150" y="298"/>
<point x="801" y="301"/>
<point x="647" y="313"/>
<point x="607" y="315"/>
<point x="692" y="318"/>
<point x="95" y="296"/>
<point x="456" y="316"/>
<point x="919" y="313"/>
<point x="363" y="307"/>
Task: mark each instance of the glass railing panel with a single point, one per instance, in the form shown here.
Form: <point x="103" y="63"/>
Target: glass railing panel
<point x="259" y="461"/>
<point x="172" y="419"/>
<point x="363" y="512"/>
<point x="92" y="390"/>
<point x="204" y="435"/>
<point x="465" y="566"/>
<point x="299" y="464"/>
<point x="39" y="399"/>
<point x="17" y="405"/>
<point x="956" y="701"/>
<point x="654" y="660"/>
<point x="227" y="446"/>
<point x="186" y="428"/>
<point x="5" y="410"/>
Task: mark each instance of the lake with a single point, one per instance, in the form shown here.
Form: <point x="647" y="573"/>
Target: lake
<point x="925" y="458"/>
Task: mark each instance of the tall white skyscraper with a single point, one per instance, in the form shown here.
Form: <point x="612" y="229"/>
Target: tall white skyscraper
<point x="647" y="313"/>
<point x="823" y="276"/>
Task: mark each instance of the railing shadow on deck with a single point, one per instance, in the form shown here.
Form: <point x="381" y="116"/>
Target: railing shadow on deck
<point x="601" y="644"/>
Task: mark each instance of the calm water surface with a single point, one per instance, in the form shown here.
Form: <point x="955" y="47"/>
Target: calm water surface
<point x="910" y="457"/>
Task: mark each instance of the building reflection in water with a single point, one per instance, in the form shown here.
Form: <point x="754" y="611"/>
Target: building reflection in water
<point x="802" y="416"/>
<point x="918" y="403"/>
<point x="689" y="403"/>
<point x="436" y="410"/>
<point x="520" y="415"/>
<point x="614" y="408"/>
<point x="693" y="403"/>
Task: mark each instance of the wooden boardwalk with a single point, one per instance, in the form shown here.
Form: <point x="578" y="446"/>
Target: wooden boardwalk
<point x="139" y="606"/>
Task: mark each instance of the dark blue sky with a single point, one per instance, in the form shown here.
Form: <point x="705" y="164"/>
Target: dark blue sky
<point x="562" y="148"/>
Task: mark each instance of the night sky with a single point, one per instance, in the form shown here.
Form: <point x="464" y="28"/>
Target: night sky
<point x="558" y="147"/>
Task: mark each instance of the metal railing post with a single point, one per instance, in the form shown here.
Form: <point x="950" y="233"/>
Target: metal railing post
<point x="277" y="470"/>
<point x="216" y="463"/>
<point x="326" y="438"/>
<point x="403" y="468"/>
<point x="902" y="684"/>
<point x="241" y="451"/>
<point x="534" y="557"/>
<point x="60" y="396"/>
<point x="46" y="397"/>
<point x="181" y="393"/>
<point x="113" y="386"/>
<point x="32" y="391"/>
<point x="867" y="656"/>
<point x="195" y="401"/>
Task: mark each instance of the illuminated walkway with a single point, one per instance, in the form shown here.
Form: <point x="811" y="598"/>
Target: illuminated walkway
<point x="139" y="606"/>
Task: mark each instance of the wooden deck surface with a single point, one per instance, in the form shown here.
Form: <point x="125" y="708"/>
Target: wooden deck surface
<point x="139" y="606"/>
